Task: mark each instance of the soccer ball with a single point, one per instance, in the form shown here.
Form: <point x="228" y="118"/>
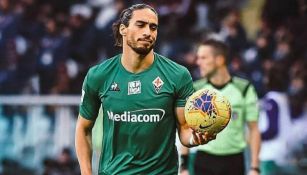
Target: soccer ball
<point x="207" y="111"/>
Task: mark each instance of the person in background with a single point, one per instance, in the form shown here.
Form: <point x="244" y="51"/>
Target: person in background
<point x="275" y="121"/>
<point x="225" y="154"/>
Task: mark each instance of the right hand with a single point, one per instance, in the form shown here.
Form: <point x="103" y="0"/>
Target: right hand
<point x="201" y="138"/>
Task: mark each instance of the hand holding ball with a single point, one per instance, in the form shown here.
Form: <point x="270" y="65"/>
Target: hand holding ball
<point x="207" y="111"/>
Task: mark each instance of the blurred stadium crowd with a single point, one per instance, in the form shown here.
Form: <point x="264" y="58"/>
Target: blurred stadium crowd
<point x="47" y="46"/>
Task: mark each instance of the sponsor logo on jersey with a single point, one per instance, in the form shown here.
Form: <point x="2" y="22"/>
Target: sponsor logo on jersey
<point x="114" y="87"/>
<point x="138" y="116"/>
<point x="157" y="83"/>
<point x="134" y="87"/>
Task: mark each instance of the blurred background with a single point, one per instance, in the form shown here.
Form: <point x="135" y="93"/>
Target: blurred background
<point x="47" y="46"/>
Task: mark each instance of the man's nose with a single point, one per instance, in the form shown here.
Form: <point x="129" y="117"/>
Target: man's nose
<point x="146" y="31"/>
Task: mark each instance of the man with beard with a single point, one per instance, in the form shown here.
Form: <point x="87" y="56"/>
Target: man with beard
<point x="142" y="95"/>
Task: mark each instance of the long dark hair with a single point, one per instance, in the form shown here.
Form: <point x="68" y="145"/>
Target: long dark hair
<point x="124" y="18"/>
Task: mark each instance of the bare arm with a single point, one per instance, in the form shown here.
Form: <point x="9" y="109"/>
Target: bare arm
<point x="188" y="138"/>
<point x="255" y="141"/>
<point x="83" y="143"/>
<point x="184" y="132"/>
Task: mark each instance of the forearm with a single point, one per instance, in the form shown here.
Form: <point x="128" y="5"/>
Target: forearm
<point x="255" y="141"/>
<point x="83" y="145"/>
<point x="185" y="135"/>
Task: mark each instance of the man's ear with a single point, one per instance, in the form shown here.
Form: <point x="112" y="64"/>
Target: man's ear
<point x="123" y="30"/>
<point x="220" y="60"/>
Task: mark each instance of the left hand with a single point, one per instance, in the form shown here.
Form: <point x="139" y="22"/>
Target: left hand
<point x="201" y="138"/>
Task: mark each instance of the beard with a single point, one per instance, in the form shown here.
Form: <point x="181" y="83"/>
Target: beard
<point x="209" y="74"/>
<point x="141" y="50"/>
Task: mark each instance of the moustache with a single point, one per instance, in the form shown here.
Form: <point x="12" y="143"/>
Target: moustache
<point x="145" y="39"/>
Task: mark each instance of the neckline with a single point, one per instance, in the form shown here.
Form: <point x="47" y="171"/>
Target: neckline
<point x="219" y="87"/>
<point x="139" y="73"/>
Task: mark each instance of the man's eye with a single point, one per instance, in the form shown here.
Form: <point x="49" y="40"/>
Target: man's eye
<point x="140" y="25"/>
<point x="153" y="27"/>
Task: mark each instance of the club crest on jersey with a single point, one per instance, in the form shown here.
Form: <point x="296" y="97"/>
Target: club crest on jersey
<point x="157" y="83"/>
<point x="134" y="87"/>
<point x="114" y="87"/>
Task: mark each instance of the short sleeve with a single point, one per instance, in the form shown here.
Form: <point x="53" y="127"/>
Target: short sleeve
<point x="185" y="89"/>
<point x="251" y="104"/>
<point x="90" y="103"/>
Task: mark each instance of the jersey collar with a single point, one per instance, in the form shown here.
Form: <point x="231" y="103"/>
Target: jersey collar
<point x="219" y="87"/>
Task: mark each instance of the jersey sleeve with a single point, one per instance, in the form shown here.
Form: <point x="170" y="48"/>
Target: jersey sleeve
<point x="90" y="103"/>
<point x="251" y="104"/>
<point x="185" y="89"/>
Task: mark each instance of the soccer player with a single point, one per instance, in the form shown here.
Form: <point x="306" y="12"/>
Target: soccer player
<point x="224" y="155"/>
<point x="142" y="95"/>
